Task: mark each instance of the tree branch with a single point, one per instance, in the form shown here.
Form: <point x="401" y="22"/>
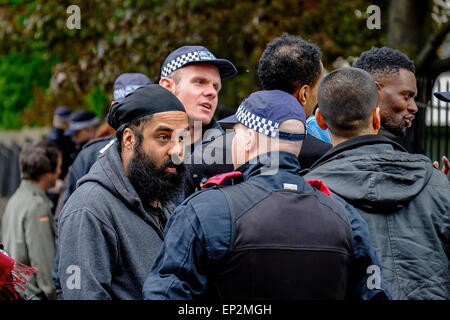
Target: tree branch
<point x="439" y="66"/>
<point x="429" y="50"/>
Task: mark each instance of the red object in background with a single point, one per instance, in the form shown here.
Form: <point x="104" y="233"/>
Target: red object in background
<point x="12" y="277"/>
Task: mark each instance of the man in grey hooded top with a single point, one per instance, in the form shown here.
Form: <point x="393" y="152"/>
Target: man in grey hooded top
<point x="111" y="228"/>
<point x="403" y="198"/>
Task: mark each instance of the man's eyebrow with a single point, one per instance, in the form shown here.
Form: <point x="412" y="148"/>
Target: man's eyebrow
<point x="203" y="78"/>
<point x="163" y="128"/>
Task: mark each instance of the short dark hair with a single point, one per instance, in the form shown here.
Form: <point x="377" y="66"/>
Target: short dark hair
<point x="288" y="63"/>
<point x="37" y="159"/>
<point x="137" y="127"/>
<point x="347" y="98"/>
<point x="384" y="62"/>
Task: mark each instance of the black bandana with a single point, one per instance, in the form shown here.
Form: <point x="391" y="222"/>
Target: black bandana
<point x="143" y="102"/>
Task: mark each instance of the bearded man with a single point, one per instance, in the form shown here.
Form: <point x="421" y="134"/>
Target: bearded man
<point x="111" y="228"/>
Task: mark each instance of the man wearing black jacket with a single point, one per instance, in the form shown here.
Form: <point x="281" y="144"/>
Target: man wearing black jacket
<point x="402" y="197"/>
<point x="290" y="64"/>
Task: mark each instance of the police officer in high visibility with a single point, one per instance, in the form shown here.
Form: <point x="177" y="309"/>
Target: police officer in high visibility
<point x="272" y="236"/>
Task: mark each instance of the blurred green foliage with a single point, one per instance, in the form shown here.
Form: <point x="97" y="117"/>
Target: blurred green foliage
<point x="44" y="64"/>
<point x="19" y="74"/>
<point x="96" y="100"/>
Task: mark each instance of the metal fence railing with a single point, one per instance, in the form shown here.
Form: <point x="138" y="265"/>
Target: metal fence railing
<point x="430" y="133"/>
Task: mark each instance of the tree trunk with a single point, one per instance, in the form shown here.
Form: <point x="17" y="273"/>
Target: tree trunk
<point x="409" y="25"/>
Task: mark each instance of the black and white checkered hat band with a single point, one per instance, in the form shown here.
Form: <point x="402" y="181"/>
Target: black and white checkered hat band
<point x="179" y="62"/>
<point x="257" y="123"/>
<point x="122" y="92"/>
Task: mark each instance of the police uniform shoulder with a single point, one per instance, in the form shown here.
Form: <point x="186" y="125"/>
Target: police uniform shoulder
<point x="330" y="199"/>
<point x="210" y="189"/>
<point x="228" y="178"/>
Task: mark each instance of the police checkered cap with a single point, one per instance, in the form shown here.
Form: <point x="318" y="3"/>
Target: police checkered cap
<point x="196" y="54"/>
<point x="257" y="123"/>
<point x="264" y="111"/>
<point x="127" y="83"/>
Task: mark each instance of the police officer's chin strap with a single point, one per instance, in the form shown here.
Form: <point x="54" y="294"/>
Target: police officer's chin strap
<point x="291" y="136"/>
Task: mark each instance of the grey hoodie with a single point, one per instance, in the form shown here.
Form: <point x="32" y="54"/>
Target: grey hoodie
<point x="107" y="241"/>
<point x="406" y="203"/>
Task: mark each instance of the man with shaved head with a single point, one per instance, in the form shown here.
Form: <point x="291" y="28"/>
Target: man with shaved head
<point x="402" y="197"/>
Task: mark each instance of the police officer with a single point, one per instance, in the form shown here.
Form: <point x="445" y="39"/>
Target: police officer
<point x="58" y="135"/>
<point x="194" y="75"/>
<point x="272" y="236"/>
<point x="82" y="127"/>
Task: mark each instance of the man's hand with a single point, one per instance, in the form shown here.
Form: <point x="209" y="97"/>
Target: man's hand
<point x="445" y="167"/>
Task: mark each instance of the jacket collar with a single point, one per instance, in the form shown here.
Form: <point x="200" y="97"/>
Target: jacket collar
<point x="269" y="161"/>
<point x="355" y="143"/>
<point x="31" y="187"/>
<point x="208" y="134"/>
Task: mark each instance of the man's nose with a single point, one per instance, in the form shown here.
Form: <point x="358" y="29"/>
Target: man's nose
<point x="210" y="91"/>
<point x="176" y="152"/>
<point x="412" y="107"/>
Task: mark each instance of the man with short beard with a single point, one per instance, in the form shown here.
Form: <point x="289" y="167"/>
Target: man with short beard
<point x="111" y="228"/>
<point x="394" y="75"/>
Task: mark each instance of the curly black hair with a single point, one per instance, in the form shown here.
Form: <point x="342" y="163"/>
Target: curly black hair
<point x="384" y="61"/>
<point x="288" y="63"/>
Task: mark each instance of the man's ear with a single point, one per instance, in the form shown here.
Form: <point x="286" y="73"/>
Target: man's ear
<point x="128" y="139"/>
<point x="250" y="141"/>
<point x="320" y="121"/>
<point x="376" y="120"/>
<point x="379" y="86"/>
<point x="168" y="84"/>
<point x="302" y="94"/>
